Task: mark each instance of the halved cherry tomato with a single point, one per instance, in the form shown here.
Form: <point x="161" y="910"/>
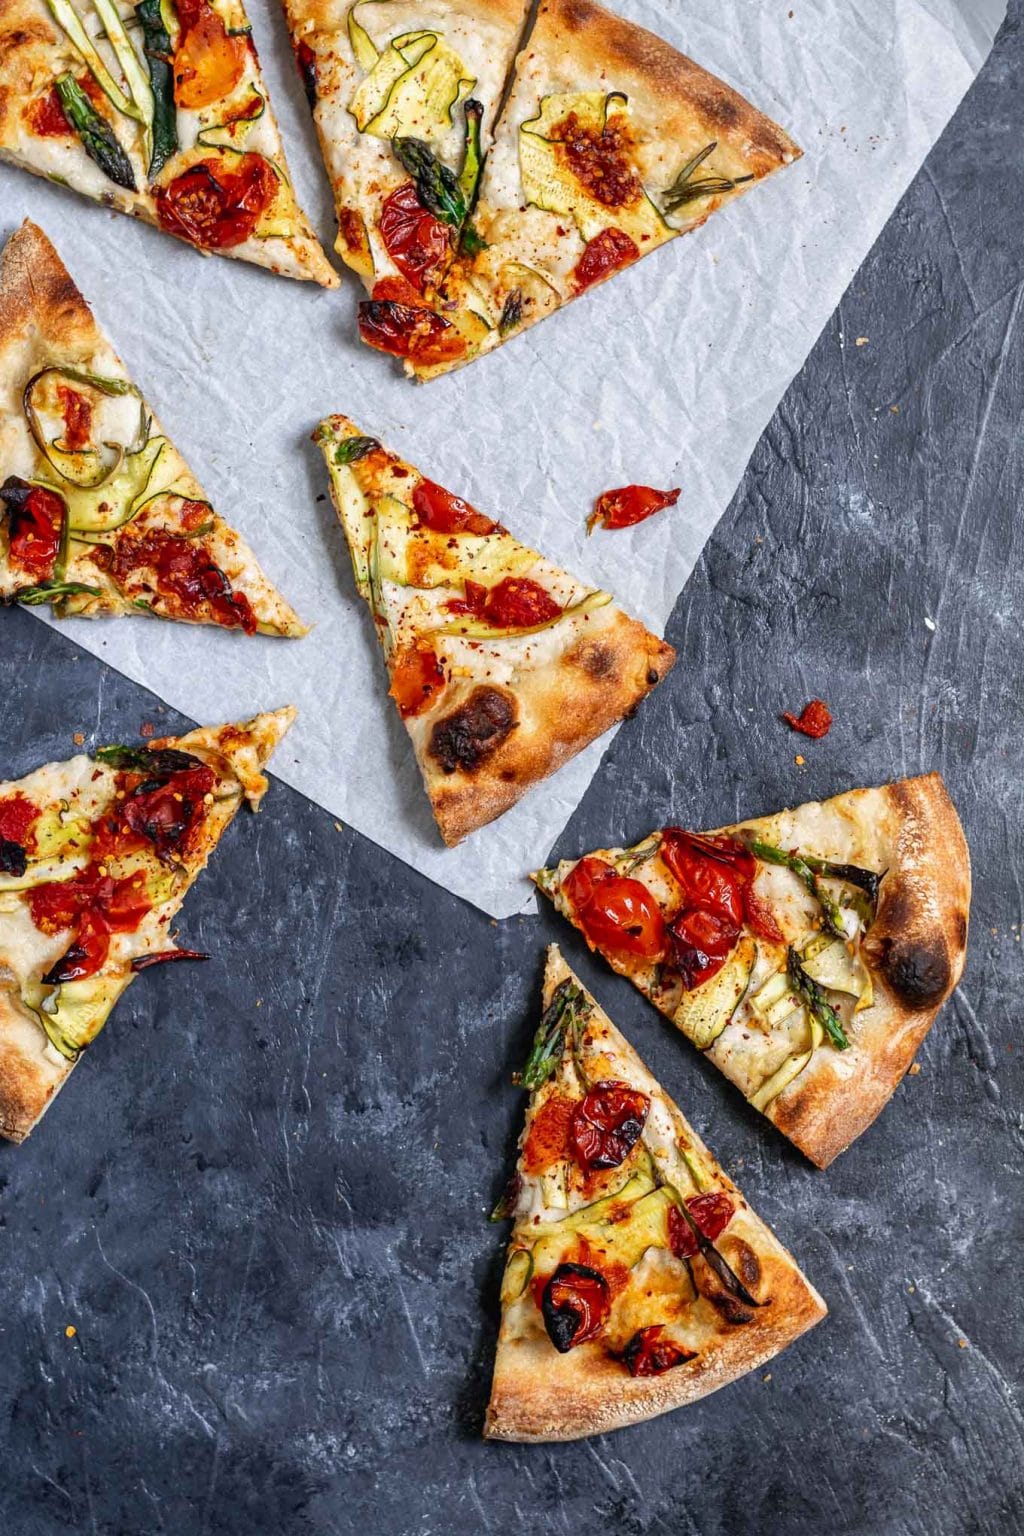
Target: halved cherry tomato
<point x="648" y="1354"/>
<point x="167" y="812"/>
<point x="701" y="942"/>
<point x="628" y="505"/>
<point x="407" y="330"/>
<point x="712" y="1213"/>
<point x="717" y="875"/>
<point x="17" y="815"/>
<point x="209" y="61"/>
<point x="575" y="1305"/>
<point x="215" y="207"/>
<point x="519" y="603"/>
<point x="440" y="511"/>
<point x="615" y="912"/>
<point x="607" y="1124"/>
<point x="603" y="255"/>
<point x="418" y="244"/>
<point x="35" y="523"/>
<point x="416" y="679"/>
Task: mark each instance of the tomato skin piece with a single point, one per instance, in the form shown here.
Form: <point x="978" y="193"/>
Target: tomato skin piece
<point x="712" y="1213"/>
<point x="648" y="1354"/>
<point x="628" y="505"/>
<point x="215" y="208"/>
<point x="441" y="512"/>
<point x="208" y="61"/>
<point x="603" y="255"/>
<point x="575" y="1305"/>
<point x="614" y="912"/>
<point x="760" y="919"/>
<point x="409" y="331"/>
<point x="35" y="525"/>
<point x="607" y="1124"/>
<point x="548" y="1139"/>
<point x="814" y="720"/>
<point x="416" y="679"/>
<point x="418" y="244"/>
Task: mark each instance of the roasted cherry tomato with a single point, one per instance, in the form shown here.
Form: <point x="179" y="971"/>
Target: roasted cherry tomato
<point x="216" y="207"/>
<point x="166" y="812"/>
<point x="712" y="1213"/>
<point x="417" y="243"/>
<point x="628" y="505"/>
<point x="516" y="602"/>
<point x="407" y="330"/>
<point x="35" y="524"/>
<point x="17" y="815"/>
<point x="85" y="956"/>
<point x="648" y="1354"/>
<point x="711" y="871"/>
<point x="416" y="680"/>
<point x="607" y="1124"/>
<point x="183" y="571"/>
<point x="209" y="61"/>
<point x="814" y="720"/>
<point x="700" y="943"/>
<point x="97" y="906"/>
<point x="603" y="255"/>
<point x="441" y="512"/>
<point x="615" y="912"/>
<point x="575" y="1305"/>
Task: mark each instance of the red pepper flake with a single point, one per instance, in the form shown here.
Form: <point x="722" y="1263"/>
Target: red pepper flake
<point x="815" y="720"/>
<point x="147" y="728"/>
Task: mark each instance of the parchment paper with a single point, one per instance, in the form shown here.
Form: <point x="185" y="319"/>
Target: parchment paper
<point x="667" y="375"/>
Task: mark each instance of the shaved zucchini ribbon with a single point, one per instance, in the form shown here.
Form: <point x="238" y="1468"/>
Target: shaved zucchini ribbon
<point x="411" y="88"/>
<point x="138" y="104"/>
<point x="550" y="184"/>
<point x="85" y="469"/>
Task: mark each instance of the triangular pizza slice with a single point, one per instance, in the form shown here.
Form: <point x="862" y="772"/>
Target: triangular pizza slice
<point x="503" y="666"/>
<point x="96" y="855"/>
<point x="637" y="1277"/>
<point x="807" y="953"/>
<point x="158" y="109"/>
<point x="404" y="94"/>
<point x="99" y="513"/>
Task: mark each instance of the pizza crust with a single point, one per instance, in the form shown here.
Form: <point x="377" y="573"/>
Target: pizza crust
<point x="539" y="1394"/>
<point x="31" y="1070"/>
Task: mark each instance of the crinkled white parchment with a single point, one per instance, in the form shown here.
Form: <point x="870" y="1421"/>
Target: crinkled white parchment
<point x="666" y="375"/>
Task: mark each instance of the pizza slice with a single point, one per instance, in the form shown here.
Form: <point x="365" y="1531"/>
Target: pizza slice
<point x="503" y="666"/>
<point x="404" y="94"/>
<point x="637" y="1277"/>
<point x="99" y="513"/>
<point x="807" y="953"/>
<point x="96" y="855"/>
<point x="157" y="109"/>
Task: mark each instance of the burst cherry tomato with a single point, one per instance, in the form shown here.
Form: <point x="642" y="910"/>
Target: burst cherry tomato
<point x="603" y="255"/>
<point x="407" y="330"/>
<point x="209" y="61"/>
<point x="814" y="720"/>
<point x="418" y="677"/>
<point x="628" y="505"/>
<point x="717" y="875"/>
<point x="166" y="812"/>
<point x="417" y="243"/>
<point x="519" y="603"/>
<point x="712" y="1213"/>
<point x="35" y="523"/>
<point x="615" y="913"/>
<point x="648" y="1354"/>
<point x="575" y="1305"/>
<point x="701" y="942"/>
<point x="607" y="1124"/>
<point x="215" y="207"/>
<point x="441" y="512"/>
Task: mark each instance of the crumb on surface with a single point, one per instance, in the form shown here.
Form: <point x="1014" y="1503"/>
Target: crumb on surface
<point x="79" y="739"/>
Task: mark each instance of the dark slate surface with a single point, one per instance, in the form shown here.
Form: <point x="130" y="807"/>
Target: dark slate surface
<point x="261" y="1202"/>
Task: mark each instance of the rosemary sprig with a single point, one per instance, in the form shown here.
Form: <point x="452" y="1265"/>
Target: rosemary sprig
<point x="813" y="999"/>
<point x="689" y="188"/>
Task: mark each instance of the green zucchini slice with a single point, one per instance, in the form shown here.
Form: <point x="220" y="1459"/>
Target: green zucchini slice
<point x="85" y="468"/>
<point x="412" y="89"/>
<point x="76" y="1011"/>
<point x="703" y="1013"/>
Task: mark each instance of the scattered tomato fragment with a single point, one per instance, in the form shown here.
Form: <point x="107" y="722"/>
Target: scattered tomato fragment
<point x="547" y="1141"/>
<point x="184" y="573"/>
<point x="614" y="912"/>
<point x="441" y="512"/>
<point x="814" y="720"/>
<point x="607" y="1124"/>
<point x="515" y="602"/>
<point x="17" y="814"/>
<point x="712" y="1213"/>
<point x="628" y="505"/>
<point x="603" y="255"/>
<point x="77" y="413"/>
<point x="416" y="678"/>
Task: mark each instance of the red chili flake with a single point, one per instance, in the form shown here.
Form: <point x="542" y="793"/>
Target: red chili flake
<point x="628" y="505"/>
<point x="814" y="721"/>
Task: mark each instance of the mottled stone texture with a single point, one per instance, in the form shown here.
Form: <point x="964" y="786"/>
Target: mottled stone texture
<point x="261" y="1203"/>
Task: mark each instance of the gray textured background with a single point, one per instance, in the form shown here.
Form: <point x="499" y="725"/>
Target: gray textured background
<point x="261" y="1202"/>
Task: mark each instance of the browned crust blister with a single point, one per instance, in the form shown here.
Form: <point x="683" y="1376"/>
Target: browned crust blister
<point x="916" y="948"/>
<point x="539" y="1394"/>
<point x="31" y="1072"/>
